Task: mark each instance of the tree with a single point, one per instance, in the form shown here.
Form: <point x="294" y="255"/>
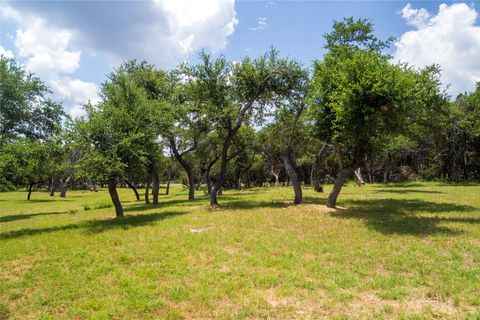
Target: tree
<point x="119" y="131"/>
<point x="188" y="127"/>
<point x="27" y="162"/>
<point x="231" y="94"/>
<point x="290" y="106"/>
<point x="359" y="95"/>
<point x="25" y="109"/>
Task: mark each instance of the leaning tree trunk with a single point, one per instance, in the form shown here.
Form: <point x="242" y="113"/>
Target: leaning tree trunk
<point x="30" y="190"/>
<point x="337" y="187"/>
<point x="359" y="177"/>
<point x="112" y="190"/>
<point x="155" y="188"/>
<point x="132" y="186"/>
<point x="293" y="175"/>
<point x="186" y="166"/>
<point x="63" y="191"/>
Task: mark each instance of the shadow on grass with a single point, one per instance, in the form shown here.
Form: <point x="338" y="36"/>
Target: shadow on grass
<point x="15" y="217"/>
<point x="97" y="226"/>
<point x="166" y="203"/>
<point x="406" y="191"/>
<point x="44" y="200"/>
<point x="399" y="216"/>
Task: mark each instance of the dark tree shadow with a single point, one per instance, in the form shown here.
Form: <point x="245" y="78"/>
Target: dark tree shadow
<point x="163" y="204"/>
<point x="399" y="216"/>
<point x="44" y="200"/>
<point x="406" y="191"/>
<point x="97" y="226"/>
<point x="15" y="217"/>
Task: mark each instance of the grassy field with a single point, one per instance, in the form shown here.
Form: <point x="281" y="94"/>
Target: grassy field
<point x="395" y="252"/>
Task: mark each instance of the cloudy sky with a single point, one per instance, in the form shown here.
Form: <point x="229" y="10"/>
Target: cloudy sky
<point x="72" y="44"/>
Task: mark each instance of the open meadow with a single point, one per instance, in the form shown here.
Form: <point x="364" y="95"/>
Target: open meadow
<point x="403" y="251"/>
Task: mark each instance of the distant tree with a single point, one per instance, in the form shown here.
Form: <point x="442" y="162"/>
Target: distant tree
<point x="231" y="94"/>
<point x="27" y="162"/>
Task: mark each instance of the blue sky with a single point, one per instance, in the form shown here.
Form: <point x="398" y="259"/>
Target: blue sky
<point x="72" y="45"/>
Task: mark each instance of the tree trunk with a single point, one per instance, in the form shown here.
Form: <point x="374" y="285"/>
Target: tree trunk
<point x="213" y="197"/>
<point x="63" y="191"/>
<point x="167" y="189"/>
<point x="337" y="187"/>
<point x="30" y="190"/>
<point x="147" y="191"/>
<point x="316" y="181"/>
<point x="155" y="188"/>
<point x="112" y="189"/>
<point x="359" y="177"/>
<point x="191" y="184"/>
<point x="370" y="170"/>
<point x="187" y="167"/>
<point x="209" y="183"/>
<point x="293" y="176"/>
<point x="132" y="186"/>
<point x="223" y="168"/>
<point x="52" y="187"/>
<point x="386" y="173"/>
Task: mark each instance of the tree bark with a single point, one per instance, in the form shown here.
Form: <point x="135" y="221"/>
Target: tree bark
<point x="167" y="189"/>
<point x="52" y="187"/>
<point x="293" y="175"/>
<point x="223" y="168"/>
<point x="343" y="175"/>
<point x="112" y="190"/>
<point x="155" y="188"/>
<point x="63" y="191"/>
<point x="147" y="191"/>
<point x="386" y="173"/>
<point x="30" y="190"/>
<point x="187" y="167"/>
<point x="359" y="177"/>
<point x="132" y="186"/>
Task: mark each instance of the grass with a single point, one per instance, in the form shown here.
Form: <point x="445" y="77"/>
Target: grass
<point x="393" y="252"/>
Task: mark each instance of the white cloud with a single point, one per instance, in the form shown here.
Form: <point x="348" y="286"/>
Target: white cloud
<point x="261" y="24"/>
<point x="450" y="38"/>
<point x="51" y="36"/>
<point x="415" y="17"/>
<point x="6" y="53"/>
<point x="46" y="51"/>
<point x="164" y="32"/>
<point x="270" y="4"/>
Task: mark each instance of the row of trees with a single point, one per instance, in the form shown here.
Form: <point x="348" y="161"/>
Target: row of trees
<point x="223" y="124"/>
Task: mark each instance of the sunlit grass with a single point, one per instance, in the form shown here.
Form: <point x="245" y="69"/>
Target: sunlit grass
<point x="397" y="251"/>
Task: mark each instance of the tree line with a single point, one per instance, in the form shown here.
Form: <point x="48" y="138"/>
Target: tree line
<point x="233" y="124"/>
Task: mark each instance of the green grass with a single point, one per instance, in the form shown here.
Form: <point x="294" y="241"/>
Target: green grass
<point x="398" y="251"/>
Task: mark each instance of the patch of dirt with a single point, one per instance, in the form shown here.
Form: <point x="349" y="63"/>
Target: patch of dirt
<point x="200" y="229"/>
<point x="365" y="304"/>
<point x="322" y="207"/>
<point x="15" y="269"/>
<point x="301" y="308"/>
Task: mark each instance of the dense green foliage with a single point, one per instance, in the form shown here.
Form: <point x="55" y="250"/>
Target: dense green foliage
<point x="245" y="123"/>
